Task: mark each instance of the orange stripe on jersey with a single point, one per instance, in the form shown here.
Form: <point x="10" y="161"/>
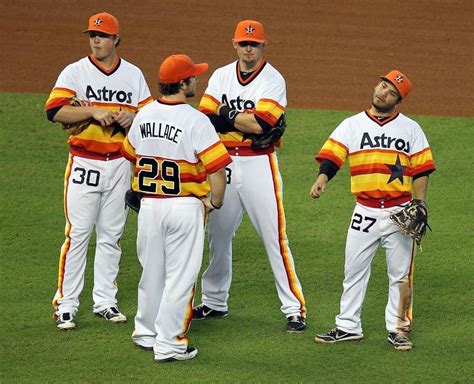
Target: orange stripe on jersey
<point x="208" y="104"/>
<point x="269" y="111"/>
<point x="128" y="151"/>
<point x="422" y="161"/>
<point x="99" y="66"/>
<point x="215" y="157"/>
<point x="282" y="237"/>
<point x="114" y="106"/>
<point x="254" y="74"/>
<point x="67" y="242"/>
<point x="334" y="151"/>
<point x="95" y="145"/>
<point x="142" y="103"/>
<point x="59" y="97"/>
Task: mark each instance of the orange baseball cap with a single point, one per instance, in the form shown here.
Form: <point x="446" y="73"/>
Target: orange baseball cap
<point x="103" y="22"/>
<point x="399" y="81"/>
<point x="249" y="30"/>
<point x="179" y="67"/>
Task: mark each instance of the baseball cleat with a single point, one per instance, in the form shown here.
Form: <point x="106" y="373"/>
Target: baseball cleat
<point x="400" y="341"/>
<point x="202" y="311"/>
<point x="112" y="314"/>
<point x="66" y="321"/>
<point x="190" y="353"/>
<point x="296" y="324"/>
<point x="336" y="335"/>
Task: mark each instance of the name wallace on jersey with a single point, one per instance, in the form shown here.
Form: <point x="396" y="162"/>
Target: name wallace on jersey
<point x="160" y="131"/>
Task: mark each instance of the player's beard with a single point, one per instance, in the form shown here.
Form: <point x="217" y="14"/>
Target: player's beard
<point x="383" y="108"/>
<point x="190" y="93"/>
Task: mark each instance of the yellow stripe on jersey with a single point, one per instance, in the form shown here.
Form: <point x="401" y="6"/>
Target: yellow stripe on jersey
<point x="59" y="97"/>
<point x="208" y="104"/>
<point x="269" y="110"/>
<point x="334" y="151"/>
<point x="215" y="157"/>
<point x="422" y="161"/>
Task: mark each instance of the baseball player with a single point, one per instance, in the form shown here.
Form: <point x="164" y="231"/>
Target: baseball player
<point x="244" y="98"/>
<point x="97" y="176"/>
<point x="390" y="160"/>
<point x="174" y="148"/>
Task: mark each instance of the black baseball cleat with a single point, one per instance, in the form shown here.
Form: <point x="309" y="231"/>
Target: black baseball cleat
<point x="190" y="353"/>
<point x="336" y="335"/>
<point x="202" y="311"/>
<point x="296" y="324"/>
<point x="399" y="341"/>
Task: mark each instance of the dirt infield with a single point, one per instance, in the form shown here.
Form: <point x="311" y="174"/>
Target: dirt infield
<point x="329" y="51"/>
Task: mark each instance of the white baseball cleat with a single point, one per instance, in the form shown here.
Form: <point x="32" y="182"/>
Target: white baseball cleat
<point x="112" y="314"/>
<point x="66" y="321"/>
<point x="190" y="353"/>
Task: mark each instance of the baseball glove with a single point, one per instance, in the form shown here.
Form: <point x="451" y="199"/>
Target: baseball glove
<point x="76" y="128"/>
<point x="270" y="137"/>
<point x="413" y="219"/>
<point x="133" y="199"/>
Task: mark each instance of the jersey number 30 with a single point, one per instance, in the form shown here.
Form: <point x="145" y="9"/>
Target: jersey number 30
<point x="158" y="174"/>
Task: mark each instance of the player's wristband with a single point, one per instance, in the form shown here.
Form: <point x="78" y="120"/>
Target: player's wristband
<point x="215" y="206"/>
<point x="228" y="114"/>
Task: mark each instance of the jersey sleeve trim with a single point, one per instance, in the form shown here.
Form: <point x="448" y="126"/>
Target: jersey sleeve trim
<point x="208" y="104"/>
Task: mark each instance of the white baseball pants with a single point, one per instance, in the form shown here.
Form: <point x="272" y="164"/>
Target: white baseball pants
<point x="94" y="193"/>
<point x="170" y="245"/>
<point x="369" y="228"/>
<point x="254" y="186"/>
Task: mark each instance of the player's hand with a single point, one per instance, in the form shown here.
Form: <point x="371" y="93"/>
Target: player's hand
<point x="206" y="200"/>
<point x="319" y="186"/>
<point x="124" y="119"/>
<point x="105" y="118"/>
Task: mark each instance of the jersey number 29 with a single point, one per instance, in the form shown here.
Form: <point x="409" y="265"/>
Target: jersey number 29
<point x="156" y="174"/>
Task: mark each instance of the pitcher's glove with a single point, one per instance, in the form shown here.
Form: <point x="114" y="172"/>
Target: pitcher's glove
<point x="413" y="219"/>
<point x="133" y="199"/>
<point x="270" y="137"/>
<point x="76" y="128"/>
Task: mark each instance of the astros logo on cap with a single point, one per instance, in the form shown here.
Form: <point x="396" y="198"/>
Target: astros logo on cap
<point x="249" y="30"/>
<point x="97" y="22"/>
<point x="399" y="79"/>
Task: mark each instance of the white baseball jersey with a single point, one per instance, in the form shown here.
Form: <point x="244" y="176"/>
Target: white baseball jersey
<point x="384" y="156"/>
<point x="121" y="88"/>
<point x="174" y="147"/>
<point x="254" y="186"/>
<point x="263" y="93"/>
<point x="96" y="178"/>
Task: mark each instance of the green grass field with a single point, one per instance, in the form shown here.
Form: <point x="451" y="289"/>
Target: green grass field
<point x="250" y="345"/>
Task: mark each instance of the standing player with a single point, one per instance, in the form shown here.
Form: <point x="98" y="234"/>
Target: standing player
<point x="174" y="148"/>
<point x="389" y="158"/>
<point x="245" y="98"/>
<point x="97" y="176"/>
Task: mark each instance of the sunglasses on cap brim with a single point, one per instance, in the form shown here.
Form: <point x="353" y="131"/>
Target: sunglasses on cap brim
<point x="93" y="34"/>
<point x="251" y="43"/>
